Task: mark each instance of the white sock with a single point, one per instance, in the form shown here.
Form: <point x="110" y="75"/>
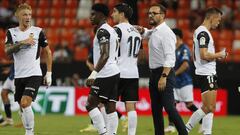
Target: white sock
<point x="104" y="114"/>
<point x="22" y="117"/>
<point x="28" y="118"/>
<point x="112" y="123"/>
<point x="132" y="122"/>
<point x="207" y="124"/>
<point x="194" y="119"/>
<point x="98" y="120"/>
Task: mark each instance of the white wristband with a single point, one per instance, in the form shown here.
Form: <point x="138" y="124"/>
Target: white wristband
<point x="49" y="74"/>
<point x="93" y="75"/>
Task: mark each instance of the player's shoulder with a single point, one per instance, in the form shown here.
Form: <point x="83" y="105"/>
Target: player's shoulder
<point x="35" y="28"/>
<point x="202" y="31"/>
<point x="13" y="29"/>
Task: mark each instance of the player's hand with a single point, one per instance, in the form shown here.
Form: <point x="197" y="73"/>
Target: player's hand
<point x="223" y="54"/>
<point x="29" y="41"/>
<point x="90" y="82"/>
<point x="48" y="79"/>
<point x="162" y="83"/>
<point x="140" y="29"/>
<point x="91" y="78"/>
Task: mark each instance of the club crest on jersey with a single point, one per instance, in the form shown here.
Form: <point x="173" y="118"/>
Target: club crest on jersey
<point x="103" y="40"/>
<point x="211" y="85"/>
<point x="31" y="35"/>
<point x="202" y="41"/>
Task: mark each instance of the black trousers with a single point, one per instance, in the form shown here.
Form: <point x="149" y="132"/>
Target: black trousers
<point x="164" y="99"/>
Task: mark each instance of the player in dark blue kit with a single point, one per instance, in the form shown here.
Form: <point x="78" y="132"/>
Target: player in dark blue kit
<point x="183" y="91"/>
<point x="8" y="87"/>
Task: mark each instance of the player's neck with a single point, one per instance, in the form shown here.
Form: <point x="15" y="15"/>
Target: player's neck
<point x="101" y="23"/>
<point x="207" y="24"/>
<point x="24" y="27"/>
<point x="123" y="21"/>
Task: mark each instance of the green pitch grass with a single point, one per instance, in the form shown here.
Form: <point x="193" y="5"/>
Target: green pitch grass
<point x="63" y="125"/>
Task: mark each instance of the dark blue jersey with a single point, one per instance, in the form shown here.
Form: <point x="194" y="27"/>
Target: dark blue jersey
<point x="183" y="54"/>
<point x="11" y="75"/>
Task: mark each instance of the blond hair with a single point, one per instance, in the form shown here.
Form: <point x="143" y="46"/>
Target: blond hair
<point x="21" y="7"/>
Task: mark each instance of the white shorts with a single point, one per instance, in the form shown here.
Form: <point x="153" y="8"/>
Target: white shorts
<point x="9" y="85"/>
<point x="184" y="94"/>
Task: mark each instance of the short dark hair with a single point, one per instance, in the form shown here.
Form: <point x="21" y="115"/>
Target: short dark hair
<point x="102" y="8"/>
<point x="162" y="8"/>
<point x="124" y="8"/>
<point x="211" y="11"/>
<point x="178" y="32"/>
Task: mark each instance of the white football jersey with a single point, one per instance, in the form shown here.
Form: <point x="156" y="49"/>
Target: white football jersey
<point x="27" y="59"/>
<point x="202" y="38"/>
<point x="106" y="34"/>
<point x="130" y="43"/>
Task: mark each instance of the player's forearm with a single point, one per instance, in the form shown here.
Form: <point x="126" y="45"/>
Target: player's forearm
<point x="13" y="48"/>
<point x="49" y="60"/>
<point x="209" y="56"/>
<point x="182" y="68"/>
<point x="101" y="62"/>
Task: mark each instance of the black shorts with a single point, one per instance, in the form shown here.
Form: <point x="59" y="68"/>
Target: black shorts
<point x="128" y="89"/>
<point x="106" y="88"/>
<point x="207" y="82"/>
<point x="27" y="86"/>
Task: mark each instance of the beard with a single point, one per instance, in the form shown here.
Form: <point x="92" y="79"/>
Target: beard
<point x="152" y="23"/>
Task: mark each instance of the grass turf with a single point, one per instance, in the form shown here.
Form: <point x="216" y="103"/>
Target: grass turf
<point x="55" y="124"/>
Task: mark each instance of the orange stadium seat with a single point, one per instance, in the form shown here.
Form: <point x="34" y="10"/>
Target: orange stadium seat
<point x="69" y="23"/>
<point x="5" y="3"/>
<point x="80" y="54"/>
<point x="226" y="34"/>
<point x="142" y="6"/>
<point x="55" y="23"/>
<point x="236" y="55"/>
<point x="73" y="4"/>
<point x="185" y="4"/>
<point x="32" y="3"/>
<point x="58" y="4"/>
<point x="220" y="44"/>
<point x="43" y="4"/>
<point x="2" y="52"/>
<point x="171" y="13"/>
<point x="84" y="23"/>
<point x="2" y="34"/>
<point x="42" y="22"/>
<point x="212" y="3"/>
<point x="183" y="13"/>
<point x="70" y="13"/>
<point x="187" y="34"/>
<point x="215" y="34"/>
<point x="183" y="23"/>
<point x="189" y="43"/>
<point x="56" y="13"/>
<point x="42" y="12"/>
<point x="237" y="34"/>
<point x="236" y="14"/>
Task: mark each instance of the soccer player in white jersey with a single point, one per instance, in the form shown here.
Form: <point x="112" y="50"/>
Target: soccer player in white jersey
<point x="205" y="62"/>
<point x="24" y="43"/>
<point x="130" y="43"/>
<point x="105" y="75"/>
<point x="8" y="87"/>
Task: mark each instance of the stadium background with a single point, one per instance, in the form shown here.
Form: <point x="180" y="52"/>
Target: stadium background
<point x="69" y="34"/>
